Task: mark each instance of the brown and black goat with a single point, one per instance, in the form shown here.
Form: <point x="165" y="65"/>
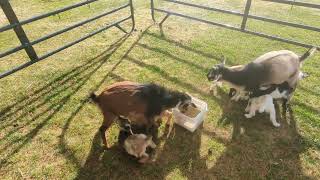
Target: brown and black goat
<point x="141" y="104"/>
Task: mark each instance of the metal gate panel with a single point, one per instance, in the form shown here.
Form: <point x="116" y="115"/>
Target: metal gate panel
<point x="17" y="26"/>
<point x="245" y="16"/>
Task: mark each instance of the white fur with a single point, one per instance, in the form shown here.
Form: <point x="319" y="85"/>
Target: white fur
<point x="302" y="75"/>
<point x="265" y="104"/>
<point x="136" y="145"/>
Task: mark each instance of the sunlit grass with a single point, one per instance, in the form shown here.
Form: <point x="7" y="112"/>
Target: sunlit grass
<point x="49" y="130"/>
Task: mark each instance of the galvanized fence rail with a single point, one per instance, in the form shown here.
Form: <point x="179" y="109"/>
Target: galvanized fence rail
<point x="245" y="16"/>
<point x="17" y="27"/>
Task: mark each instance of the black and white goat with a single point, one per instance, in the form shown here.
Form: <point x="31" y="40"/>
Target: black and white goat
<point x="275" y="67"/>
<point x="265" y="103"/>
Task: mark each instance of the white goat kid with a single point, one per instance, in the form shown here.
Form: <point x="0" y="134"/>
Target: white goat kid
<point x="136" y="145"/>
<point x="265" y="103"/>
<point x="262" y="104"/>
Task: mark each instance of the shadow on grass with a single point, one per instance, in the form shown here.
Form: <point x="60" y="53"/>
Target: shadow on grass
<point x="160" y="51"/>
<point x="185" y="47"/>
<point x="115" y="164"/>
<point x="22" y="121"/>
<point x="96" y="148"/>
<point x="257" y="150"/>
<point x="178" y="152"/>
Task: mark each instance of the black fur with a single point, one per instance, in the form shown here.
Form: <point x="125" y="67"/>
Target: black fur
<point x="126" y="129"/>
<point x="250" y="77"/>
<point x="159" y="98"/>
<point x="282" y="87"/>
<point x="124" y="133"/>
<point x="94" y="97"/>
<point x="232" y="92"/>
<point x="246" y="79"/>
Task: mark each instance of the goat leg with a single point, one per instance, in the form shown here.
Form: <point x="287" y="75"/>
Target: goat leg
<point x="285" y="104"/>
<point x="144" y="158"/>
<point x="169" y="122"/>
<point x="103" y="130"/>
<point x="273" y="120"/>
<point x="232" y="92"/>
<point x="251" y="109"/>
<point x="248" y="106"/>
<point x="107" y="121"/>
<point x="154" y="133"/>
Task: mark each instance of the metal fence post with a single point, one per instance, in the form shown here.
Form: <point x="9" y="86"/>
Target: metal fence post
<point x="152" y="11"/>
<point x="132" y="16"/>
<point x="12" y="18"/>
<point x="245" y="15"/>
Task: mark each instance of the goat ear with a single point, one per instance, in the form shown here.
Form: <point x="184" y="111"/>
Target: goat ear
<point x="193" y="105"/>
<point x="188" y="94"/>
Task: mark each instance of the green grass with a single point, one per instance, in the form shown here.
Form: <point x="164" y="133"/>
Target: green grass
<point x="48" y="129"/>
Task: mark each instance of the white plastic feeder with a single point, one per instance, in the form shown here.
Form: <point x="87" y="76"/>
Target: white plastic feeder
<point x="187" y="122"/>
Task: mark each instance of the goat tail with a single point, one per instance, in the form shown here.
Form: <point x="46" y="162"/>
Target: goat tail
<point x="93" y="97"/>
<point x="309" y="53"/>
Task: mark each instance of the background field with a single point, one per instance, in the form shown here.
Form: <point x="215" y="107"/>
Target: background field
<point x="48" y="130"/>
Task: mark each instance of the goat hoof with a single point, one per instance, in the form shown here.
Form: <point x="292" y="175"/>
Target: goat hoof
<point x="105" y="148"/>
<point x="247" y="116"/>
<point x="143" y="160"/>
<point x="276" y="124"/>
<point x="212" y="92"/>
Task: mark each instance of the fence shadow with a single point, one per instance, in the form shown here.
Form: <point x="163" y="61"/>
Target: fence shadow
<point x="257" y="149"/>
<point x="185" y="47"/>
<point x="24" y="119"/>
<point x="116" y="164"/>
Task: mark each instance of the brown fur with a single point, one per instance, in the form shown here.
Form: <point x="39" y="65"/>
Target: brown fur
<point x="119" y="99"/>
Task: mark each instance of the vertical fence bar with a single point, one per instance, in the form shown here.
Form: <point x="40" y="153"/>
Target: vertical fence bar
<point x="245" y="16"/>
<point x="152" y="11"/>
<point x="12" y="18"/>
<point x="132" y="16"/>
